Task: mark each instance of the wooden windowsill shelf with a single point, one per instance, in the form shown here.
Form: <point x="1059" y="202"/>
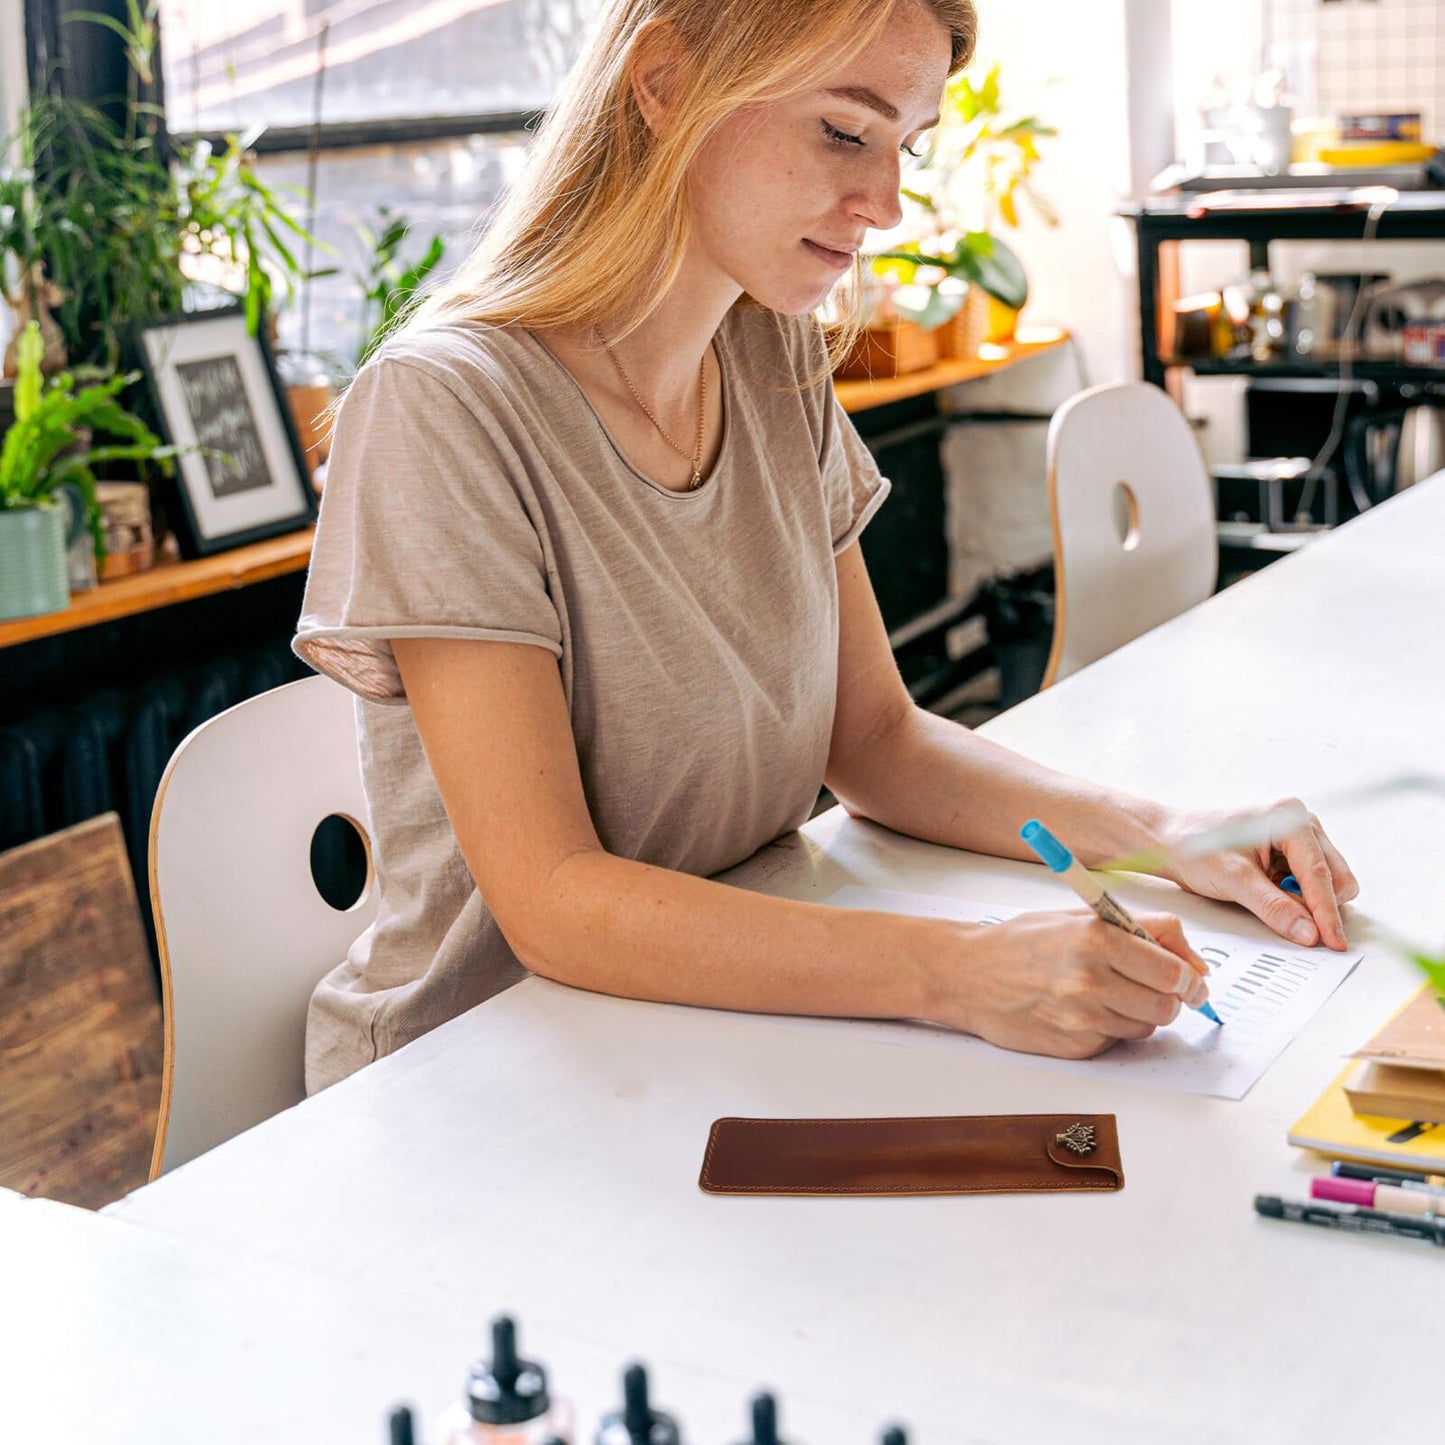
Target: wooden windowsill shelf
<point x="167" y="583"/>
<point x="858" y="396"/>
<point x="172" y="582"/>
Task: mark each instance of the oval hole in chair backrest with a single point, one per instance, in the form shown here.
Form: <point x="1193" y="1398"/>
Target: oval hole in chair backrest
<point x="341" y="861"/>
<point x="1126" y="515"/>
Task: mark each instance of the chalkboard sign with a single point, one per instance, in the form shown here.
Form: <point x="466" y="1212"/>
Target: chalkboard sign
<point x="221" y="418"/>
<point x="241" y="473"/>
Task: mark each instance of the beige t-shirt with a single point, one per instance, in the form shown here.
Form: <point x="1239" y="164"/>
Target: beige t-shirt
<point x="473" y="492"/>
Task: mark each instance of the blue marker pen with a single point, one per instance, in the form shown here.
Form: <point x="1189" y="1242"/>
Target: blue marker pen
<point x="1071" y="871"/>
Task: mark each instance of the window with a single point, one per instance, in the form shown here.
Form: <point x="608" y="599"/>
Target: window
<point x="443" y="187"/>
<point x="231" y="63"/>
<point x="416" y="105"/>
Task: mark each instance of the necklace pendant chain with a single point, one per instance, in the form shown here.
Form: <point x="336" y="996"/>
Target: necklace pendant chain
<point x="696" y="458"/>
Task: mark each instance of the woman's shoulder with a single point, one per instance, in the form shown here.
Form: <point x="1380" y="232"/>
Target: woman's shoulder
<point x="480" y="365"/>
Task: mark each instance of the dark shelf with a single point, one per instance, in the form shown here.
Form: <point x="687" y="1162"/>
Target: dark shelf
<point x="1396" y="372"/>
<point x="1417" y="215"/>
<point x="1163" y="220"/>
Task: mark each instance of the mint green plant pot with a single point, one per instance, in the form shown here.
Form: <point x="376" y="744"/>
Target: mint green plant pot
<point x="33" y="542"/>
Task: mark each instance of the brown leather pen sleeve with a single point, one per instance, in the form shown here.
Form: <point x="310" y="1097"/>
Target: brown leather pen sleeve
<point x="960" y="1154"/>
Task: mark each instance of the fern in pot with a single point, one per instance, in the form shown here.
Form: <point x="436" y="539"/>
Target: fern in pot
<point x="47" y="475"/>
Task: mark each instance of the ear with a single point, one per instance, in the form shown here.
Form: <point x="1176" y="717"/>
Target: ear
<point x="657" y="63"/>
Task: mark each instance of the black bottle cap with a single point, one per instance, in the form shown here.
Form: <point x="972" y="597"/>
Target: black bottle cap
<point x="637" y="1423"/>
<point x="765" y="1420"/>
<point x="894" y="1435"/>
<point x="401" y="1430"/>
<point x="506" y="1390"/>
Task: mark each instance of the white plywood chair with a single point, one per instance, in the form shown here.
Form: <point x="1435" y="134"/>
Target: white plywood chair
<point x="244" y="934"/>
<point x="1135" y="541"/>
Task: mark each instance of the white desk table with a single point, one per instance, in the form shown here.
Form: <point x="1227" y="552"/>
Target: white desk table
<point x="541" y="1152"/>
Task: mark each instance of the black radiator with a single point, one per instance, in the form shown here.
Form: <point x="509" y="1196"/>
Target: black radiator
<point x="106" y="750"/>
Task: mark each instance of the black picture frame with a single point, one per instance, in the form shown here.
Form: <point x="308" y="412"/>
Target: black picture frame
<point x="242" y="476"/>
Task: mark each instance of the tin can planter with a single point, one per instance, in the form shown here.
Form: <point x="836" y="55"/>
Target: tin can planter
<point x="33" y="544"/>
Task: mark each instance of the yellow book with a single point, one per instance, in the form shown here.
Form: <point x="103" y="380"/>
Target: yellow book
<point x="1330" y="1127"/>
<point x="1375" y="153"/>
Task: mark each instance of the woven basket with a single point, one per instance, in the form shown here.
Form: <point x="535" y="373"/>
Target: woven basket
<point x="967" y="329"/>
<point x="129" y="543"/>
<point x="981" y="318"/>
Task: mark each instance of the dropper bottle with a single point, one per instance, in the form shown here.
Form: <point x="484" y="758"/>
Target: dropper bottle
<point x="401" y="1428"/>
<point x="637" y="1423"/>
<point x="894" y="1435"/>
<point x="765" y="1420"/>
<point x="506" y="1400"/>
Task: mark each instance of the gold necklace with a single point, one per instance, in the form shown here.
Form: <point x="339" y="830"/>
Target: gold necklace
<point x="696" y="458"/>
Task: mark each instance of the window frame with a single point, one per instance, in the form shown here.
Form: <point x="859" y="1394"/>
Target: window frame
<point x="357" y="134"/>
<point x="352" y="135"/>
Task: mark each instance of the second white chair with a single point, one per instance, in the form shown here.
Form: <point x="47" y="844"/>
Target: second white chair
<point x="1135" y="539"/>
<point x="244" y="934"/>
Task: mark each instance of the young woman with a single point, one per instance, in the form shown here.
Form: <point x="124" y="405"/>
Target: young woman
<point x="589" y="557"/>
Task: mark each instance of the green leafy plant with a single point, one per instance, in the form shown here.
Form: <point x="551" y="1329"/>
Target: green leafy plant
<point x="227" y="211"/>
<point x="977" y="166"/>
<point x="122" y="229"/>
<point x="47" y="446"/>
<point x="388" y="281"/>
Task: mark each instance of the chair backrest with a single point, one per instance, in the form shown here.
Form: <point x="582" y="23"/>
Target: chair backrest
<point x="244" y="934"/>
<point x="1135" y="538"/>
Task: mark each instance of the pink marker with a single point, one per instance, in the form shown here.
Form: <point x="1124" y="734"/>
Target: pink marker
<point x="1365" y="1192"/>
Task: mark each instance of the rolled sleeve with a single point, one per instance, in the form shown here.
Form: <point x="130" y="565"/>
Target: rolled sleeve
<point x="425" y="531"/>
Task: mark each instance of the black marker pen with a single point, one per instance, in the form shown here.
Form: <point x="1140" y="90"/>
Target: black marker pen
<point x="1343" y="1169"/>
<point x="1351" y="1218"/>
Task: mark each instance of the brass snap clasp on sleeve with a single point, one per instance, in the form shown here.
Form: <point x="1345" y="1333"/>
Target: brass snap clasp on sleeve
<point x="1077" y="1137"/>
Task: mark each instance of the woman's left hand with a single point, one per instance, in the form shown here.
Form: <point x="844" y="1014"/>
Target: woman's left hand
<point x="1290" y="841"/>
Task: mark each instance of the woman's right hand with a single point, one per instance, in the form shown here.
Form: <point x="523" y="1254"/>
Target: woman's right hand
<point x="1068" y="984"/>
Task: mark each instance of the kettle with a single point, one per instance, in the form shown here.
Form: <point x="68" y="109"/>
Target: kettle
<point x="1387" y="451"/>
<point x="1392" y="308"/>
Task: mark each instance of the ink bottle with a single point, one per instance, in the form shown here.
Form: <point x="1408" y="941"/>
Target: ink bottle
<point x="637" y="1423"/>
<point x="506" y="1401"/>
<point x="764" y="1409"/>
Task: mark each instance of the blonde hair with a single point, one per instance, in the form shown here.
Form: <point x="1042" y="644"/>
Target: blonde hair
<point x="598" y="224"/>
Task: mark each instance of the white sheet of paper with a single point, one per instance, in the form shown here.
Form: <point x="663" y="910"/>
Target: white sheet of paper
<point x="1264" y="992"/>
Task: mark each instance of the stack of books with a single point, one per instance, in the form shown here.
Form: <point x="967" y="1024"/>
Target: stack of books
<point x="1387" y="1106"/>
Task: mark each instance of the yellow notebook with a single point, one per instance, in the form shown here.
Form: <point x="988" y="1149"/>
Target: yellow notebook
<point x="1330" y="1127"/>
<point x="1375" y="153"/>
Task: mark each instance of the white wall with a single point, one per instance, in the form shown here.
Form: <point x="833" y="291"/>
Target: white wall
<point x="1099" y="73"/>
<point x="1067" y="63"/>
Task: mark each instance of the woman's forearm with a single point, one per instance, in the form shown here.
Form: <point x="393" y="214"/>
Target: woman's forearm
<point x="621" y="927"/>
<point x="933" y="779"/>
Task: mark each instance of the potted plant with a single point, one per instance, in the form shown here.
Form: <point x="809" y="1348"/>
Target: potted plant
<point x="955" y="269"/>
<point x="47" y="460"/>
<point x="389" y="281"/>
<point x="126" y="232"/>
